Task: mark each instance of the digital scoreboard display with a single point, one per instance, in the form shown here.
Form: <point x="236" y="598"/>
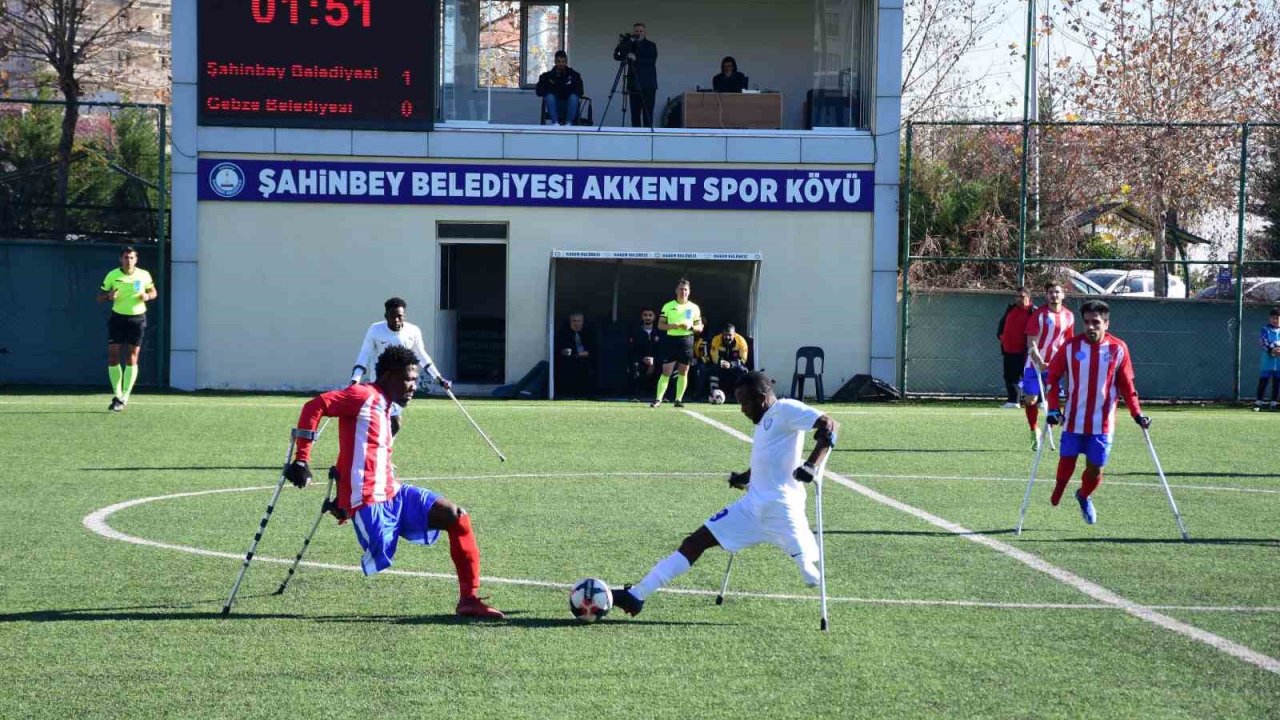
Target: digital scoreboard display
<point x="336" y="64"/>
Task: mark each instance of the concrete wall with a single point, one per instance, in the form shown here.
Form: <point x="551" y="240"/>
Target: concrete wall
<point x="58" y="335"/>
<point x="1182" y="349"/>
<point x="287" y="291"/>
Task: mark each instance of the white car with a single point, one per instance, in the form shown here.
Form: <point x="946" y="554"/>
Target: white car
<point x="1134" y="283"/>
<point x="1078" y="284"/>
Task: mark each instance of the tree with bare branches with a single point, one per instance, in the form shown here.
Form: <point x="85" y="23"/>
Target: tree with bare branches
<point x="939" y="34"/>
<point x="74" y="38"/>
<point x="1169" y="61"/>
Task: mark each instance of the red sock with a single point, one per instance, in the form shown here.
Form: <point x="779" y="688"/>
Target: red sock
<point x="466" y="556"/>
<point x="1066" y="467"/>
<point x="1090" y="480"/>
<point x="1033" y="413"/>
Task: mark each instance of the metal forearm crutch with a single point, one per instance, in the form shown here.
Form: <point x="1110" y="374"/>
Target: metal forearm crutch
<point x="454" y="398"/>
<point x="822" y="545"/>
<point x="1167" y="492"/>
<point x="294" y="435"/>
<point x="1035" y="466"/>
<point x="325" y="507"/>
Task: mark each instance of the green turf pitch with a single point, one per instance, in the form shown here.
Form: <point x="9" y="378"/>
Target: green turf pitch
<point x="924" y="623"/>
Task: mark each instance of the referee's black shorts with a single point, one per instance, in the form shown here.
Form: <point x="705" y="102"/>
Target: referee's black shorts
<point x="126" y="329"/>
<point x="677" y="349"/>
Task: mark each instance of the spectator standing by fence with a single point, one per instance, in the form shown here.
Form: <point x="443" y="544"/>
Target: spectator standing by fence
<point x="1011" y="332"/>
<point x="1269" y="364"/>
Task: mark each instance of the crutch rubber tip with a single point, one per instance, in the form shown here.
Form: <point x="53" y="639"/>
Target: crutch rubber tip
<point x="226" y="610"/>
<point x="823" y="625"/>
<point x="719" y="599"/>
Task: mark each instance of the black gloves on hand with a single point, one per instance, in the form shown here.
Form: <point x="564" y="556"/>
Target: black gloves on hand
<point x="298" y="473"/>
<point x="1054" y="417"/>
<point x="739" y="480"/>
<point x="805" y="473"/>
<point x="1143" y="421"/>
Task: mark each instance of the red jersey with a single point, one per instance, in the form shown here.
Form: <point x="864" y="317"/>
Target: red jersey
<point x="1094" y="374"/>
<point x="365" y="475"/>
<point x="1051" y="329"/>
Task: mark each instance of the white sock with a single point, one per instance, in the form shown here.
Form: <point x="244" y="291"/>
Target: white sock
<point x="668" y="568"/>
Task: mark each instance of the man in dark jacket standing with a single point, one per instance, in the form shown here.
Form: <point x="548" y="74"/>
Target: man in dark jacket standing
<point x="1013" y="343"/>
<point x="561" y="90"/>
<point x="644" y="343"/>
<point x="642" y="74"/>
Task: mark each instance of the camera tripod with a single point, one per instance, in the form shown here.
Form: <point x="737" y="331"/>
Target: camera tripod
<point x="624" y="66"/>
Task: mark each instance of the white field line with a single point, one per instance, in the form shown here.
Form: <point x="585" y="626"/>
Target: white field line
<point x="863" y="475"/>
<point x="96" y="522"/>
<point x="1092" y="589"/>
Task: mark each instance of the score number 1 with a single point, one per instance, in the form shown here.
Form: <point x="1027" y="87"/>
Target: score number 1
<point x="336" y="12"/>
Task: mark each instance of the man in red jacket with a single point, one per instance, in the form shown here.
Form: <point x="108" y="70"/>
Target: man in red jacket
<point x="1013" y="343"/>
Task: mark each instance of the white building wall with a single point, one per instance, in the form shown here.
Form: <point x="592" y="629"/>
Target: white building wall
<point x="287" y="291"/>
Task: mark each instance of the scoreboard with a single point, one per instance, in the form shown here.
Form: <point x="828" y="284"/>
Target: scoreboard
<point x="335" y="64"/>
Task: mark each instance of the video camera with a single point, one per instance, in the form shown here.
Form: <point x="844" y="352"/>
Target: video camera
<point x="627" y="43"/>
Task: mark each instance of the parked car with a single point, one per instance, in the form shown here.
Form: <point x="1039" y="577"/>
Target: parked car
<point x="1256" y="289"/>
<point x="1134" y="283"/>
<point x="1081" y="284"/>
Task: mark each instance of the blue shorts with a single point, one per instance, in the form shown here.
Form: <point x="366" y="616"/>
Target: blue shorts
<point x="1032" y="381"/>
<point x="380" y="526"/>
<point x="1096" y="448"/>
<point x="1265" y="374"/>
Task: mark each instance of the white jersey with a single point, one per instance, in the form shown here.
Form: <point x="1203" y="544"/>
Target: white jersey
<point x="775" y="453"/>
<point x="380" y="337"/>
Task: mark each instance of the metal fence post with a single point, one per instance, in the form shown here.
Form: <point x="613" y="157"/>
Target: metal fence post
<point x="905" y="264"/>
<point x="1240" y="210"/>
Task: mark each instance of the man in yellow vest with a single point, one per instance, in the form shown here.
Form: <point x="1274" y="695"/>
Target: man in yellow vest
<point x="129" y="288"/>
<point x="680" y="319"/>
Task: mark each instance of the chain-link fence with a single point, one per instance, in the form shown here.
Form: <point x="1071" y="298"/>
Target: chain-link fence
<point x="77" y="183"/>
<point x="1177" y="226"/>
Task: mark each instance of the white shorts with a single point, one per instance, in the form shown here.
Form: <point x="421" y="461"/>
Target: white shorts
<point x="742" y="525"/>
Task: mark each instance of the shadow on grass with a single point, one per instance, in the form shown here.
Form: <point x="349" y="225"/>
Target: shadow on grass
<point x="1172" y="540"/>
<point x="513" y="619"/>
<point x="914" y="450"/>
<point x="1195" y="474"/>
<point x="917" y="533"/>
<point x="275" y="468"/>
<point x="55" y="412"/>
<point x="186" y="612"/>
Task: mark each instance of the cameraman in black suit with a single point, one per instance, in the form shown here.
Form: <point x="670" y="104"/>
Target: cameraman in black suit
<point x="641" y="55"/>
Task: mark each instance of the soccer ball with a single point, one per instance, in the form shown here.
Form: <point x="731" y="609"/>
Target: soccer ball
<point x="717" y="397"/>
<point x="590" y="600"/>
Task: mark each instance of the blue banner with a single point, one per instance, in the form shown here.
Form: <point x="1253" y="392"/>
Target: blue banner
<point x="535" y="186"/>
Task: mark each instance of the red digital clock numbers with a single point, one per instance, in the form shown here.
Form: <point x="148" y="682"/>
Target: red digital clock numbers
<point x="318" y="63"/>
<point x="335" y="13"/>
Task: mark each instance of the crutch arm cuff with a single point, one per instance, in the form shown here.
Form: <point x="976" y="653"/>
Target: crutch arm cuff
<point x="303" y="434"/>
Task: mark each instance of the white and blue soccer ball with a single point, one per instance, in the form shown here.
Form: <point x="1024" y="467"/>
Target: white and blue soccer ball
<point x="590" y="600"/>
<point x="717" y="397"/>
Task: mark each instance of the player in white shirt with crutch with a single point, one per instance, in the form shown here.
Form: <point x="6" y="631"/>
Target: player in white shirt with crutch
<point x="773" y="510"/>
<point x="394" y="330"/>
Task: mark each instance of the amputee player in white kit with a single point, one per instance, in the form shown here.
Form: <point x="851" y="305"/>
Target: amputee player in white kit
<point x="773" y="510"/>
<point x="394" y="330"/>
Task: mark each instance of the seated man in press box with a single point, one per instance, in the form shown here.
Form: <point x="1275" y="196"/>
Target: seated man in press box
<point x="561" y="90"/>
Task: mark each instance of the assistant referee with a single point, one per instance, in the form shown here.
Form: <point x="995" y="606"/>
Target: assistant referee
<point x="681" y="320"/>
<point x="128" y="288"/>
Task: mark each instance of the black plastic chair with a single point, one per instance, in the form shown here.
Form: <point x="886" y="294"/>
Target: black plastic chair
<point x="585" y="114"/>
<point x="815" y="361"/>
